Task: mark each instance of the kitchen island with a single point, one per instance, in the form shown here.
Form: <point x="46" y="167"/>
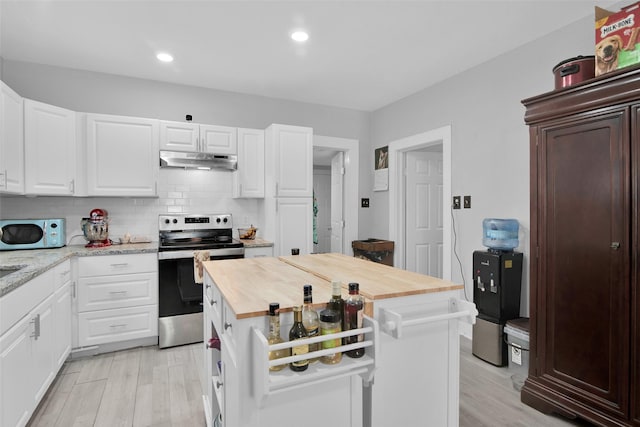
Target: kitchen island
<point x="409" y="375"/>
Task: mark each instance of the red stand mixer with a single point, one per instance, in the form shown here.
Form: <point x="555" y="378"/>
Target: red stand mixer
<point x="96" y="229"/>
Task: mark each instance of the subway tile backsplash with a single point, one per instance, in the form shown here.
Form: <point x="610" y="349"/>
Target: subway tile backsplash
<point x="179" y="191"/>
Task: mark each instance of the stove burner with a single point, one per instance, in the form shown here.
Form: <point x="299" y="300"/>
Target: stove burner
<point x="180" y="232"/>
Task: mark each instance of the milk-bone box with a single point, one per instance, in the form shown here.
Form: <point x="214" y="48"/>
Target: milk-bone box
<point x="617" y="39"/>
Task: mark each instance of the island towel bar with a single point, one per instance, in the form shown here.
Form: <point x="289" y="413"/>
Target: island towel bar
<point x="392" y="322"/>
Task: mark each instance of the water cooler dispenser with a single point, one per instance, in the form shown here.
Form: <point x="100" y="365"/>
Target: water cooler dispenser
<point x="497" y="279"/>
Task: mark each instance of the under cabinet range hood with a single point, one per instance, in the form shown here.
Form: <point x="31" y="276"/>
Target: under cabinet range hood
<point x="197" y="160"/>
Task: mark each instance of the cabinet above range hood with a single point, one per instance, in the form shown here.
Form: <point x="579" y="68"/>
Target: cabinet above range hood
<point x="197" y="160"/>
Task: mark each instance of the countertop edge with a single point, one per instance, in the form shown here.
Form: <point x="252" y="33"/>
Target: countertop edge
<point x="37" y="261"/>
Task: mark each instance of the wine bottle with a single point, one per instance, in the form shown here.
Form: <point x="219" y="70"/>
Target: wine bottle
<point x="310" y="320"/>
<point x="353" y="312"/>
<point x="274" y="335"/>
<point x="298" y="332"/>
<point x="336" y="303"/>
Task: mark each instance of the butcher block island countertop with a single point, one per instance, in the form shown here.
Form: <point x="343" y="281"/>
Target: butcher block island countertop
<point x="377" y="281"/>
<point x="250" y="284"/>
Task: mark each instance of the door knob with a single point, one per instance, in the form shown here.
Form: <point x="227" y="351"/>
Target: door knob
<point x="615" y="245"/>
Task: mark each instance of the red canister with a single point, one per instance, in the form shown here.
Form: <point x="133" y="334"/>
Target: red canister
<point x="573" y="71"/>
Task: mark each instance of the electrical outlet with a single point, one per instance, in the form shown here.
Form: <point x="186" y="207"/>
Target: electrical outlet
<point x="364" y="203"/>
<point x="466" y="200"/>
<point x="456" y="202"/>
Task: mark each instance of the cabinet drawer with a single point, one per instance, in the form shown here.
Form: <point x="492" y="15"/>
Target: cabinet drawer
<point x="229" y="322"/>
<point x="105" y="326"/>
<point x="259" y="251"/>
<point x="117" y="264"/>
<point x="125" y="290"/>
<point x="213" y="304"/>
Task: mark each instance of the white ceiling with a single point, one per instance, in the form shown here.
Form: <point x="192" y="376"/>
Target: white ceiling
<point x="361" y="54"/>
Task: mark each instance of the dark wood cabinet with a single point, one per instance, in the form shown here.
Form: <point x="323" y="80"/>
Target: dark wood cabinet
<point x="585" y="200"/>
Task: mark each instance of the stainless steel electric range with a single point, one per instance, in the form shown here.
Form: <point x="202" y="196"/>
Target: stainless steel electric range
<point x="180" y="297"/>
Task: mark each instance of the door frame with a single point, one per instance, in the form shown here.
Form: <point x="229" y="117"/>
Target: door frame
<point x="350" y="188"/>
<point x="397" y="191"/>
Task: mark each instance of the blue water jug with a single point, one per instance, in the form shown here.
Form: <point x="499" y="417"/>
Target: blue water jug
<point x="500" y="234"/>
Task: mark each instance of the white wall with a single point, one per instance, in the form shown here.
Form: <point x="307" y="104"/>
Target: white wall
<point x="490" y="142"/>
<point x="179" y="190"/>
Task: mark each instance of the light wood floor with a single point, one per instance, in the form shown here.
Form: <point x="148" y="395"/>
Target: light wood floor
<point x="151" y="387"/>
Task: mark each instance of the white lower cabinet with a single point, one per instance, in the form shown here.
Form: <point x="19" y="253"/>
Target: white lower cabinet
<point x="258" y="251"/>
<point x="35" y="339"/>
<point x="15" y="367"/>
<point x="62" y="313"/>
<point x="288" y="223"/>
<point x="117" y="298"/>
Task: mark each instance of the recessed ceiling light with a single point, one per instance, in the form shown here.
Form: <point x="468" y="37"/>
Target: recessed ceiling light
<point x="164" y="57"/>
<point x="300" y="36"/>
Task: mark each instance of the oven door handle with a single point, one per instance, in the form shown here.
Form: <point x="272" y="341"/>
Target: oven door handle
<point x="222" y="252"/>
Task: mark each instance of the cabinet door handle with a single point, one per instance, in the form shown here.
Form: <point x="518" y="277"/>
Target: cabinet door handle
<point x="36" y="326"/>
<point x="615" y="245"/>
<point x="120" y="265"/>
<point x="227" y="325"/>
<point x="73" y="290"/>
<point x="122" y="325"/>
<point x="71" y="186"/>
<point x="117" y="292"/>
<point x="218" y="384"/>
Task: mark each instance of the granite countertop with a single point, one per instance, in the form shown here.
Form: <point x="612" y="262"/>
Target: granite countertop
<point x="31" y="263"/>
<point x="256" y="243"/>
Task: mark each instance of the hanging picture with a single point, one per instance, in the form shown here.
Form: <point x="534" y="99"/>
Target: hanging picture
<point x="381" y="166"/>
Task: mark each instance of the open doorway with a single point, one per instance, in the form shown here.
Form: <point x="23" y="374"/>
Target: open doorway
<point x="402" y="228"/>
<point x="336" y="164"/>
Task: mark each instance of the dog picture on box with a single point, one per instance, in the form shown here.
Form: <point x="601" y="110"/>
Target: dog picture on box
<point x="617" y="39"/>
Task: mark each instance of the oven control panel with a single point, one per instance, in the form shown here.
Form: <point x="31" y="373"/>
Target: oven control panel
<point x="172" y="222"/>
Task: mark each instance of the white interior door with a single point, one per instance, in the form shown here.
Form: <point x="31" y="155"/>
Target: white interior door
<point x="424" y="213"/>
<point x="322" y="194"/>
<point x="337" y="216"/>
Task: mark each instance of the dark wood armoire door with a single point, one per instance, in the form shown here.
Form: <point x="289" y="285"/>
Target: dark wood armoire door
<point x="635" y="323"/>
<point x="583" y="236"/>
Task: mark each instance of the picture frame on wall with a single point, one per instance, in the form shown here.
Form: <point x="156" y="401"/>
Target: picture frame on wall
<point x="381" y="169"/>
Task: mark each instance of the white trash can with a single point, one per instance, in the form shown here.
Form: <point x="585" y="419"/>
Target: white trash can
<point x="516" y="335"/>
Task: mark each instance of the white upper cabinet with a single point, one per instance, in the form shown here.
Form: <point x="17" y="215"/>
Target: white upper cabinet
<point x="50" y="149"/>
<point x="248" y="179"/>
<point x="218" y="139"/>
<point x="11" y="141"/>
<point x="122" y="156"/>
<point x="289" y="160"/>
<point x="178" y="136"/>
<point x="192" y="137"/>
